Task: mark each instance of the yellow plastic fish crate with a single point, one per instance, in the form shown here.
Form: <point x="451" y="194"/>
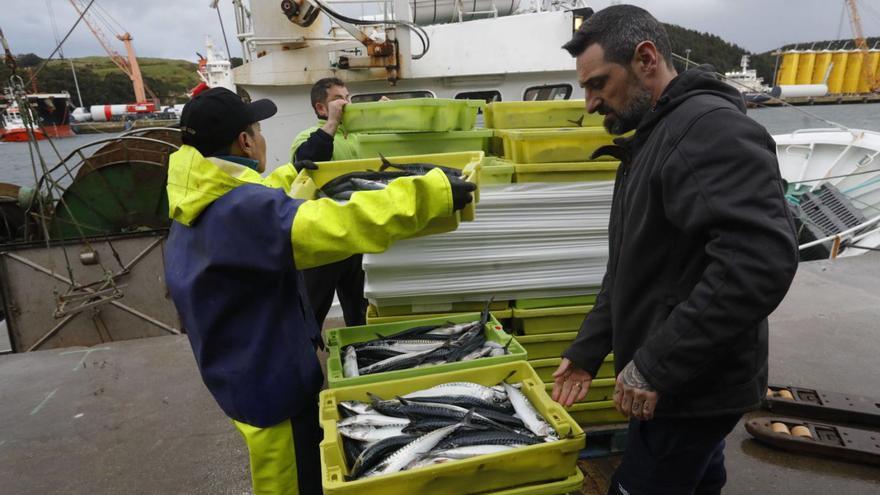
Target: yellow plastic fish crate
<point x="549" y="320"/>
<point x="566" y="172"/>
<point x="601" y="389"/>
<point x="503" y="316"/>
<point x="539" y="114"/>
<point x="411" y="115"/>
<point x="307" y="182"/>
<point x="420" y="143"/>
<point x="573" y="483"/>
<point x="596" y="413"/>
<point x="545" y="367"/>
<point x="453" y="307"/>
<point x="533" y="464"/>
<point x="496" y="171"/>
<point x="553" y="146"/>
<point x="338" y="338"/>
<point x="546" y="345"/>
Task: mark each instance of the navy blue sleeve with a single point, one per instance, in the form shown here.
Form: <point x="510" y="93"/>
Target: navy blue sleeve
<point x="317" y="148"/>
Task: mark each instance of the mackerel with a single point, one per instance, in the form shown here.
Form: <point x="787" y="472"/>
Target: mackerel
<point x="370" y="433"/>
<point x="416" y="449"/>
<point x="489" y="394"/>
<point x="375" y="452"/>
<point x="350" y="363"/>
<point x="528" y="414"/>
<point x="378" y="420"/>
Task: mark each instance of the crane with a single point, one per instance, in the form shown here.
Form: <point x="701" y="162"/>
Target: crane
<point x="855" y="20"/>
<point x="128" y="65"/>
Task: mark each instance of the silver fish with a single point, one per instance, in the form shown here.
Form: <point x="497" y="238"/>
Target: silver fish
<point x="370" y="433"/>
<point x="415" y="450"/>
<point x="490" y="394"/>
<point x="350" y="363"/>
<point x="357" y="407"/>
<point x="385" y="363"/>
<point x="374" y="419"/>
<point x="471" y="451"/>
<point x="454" y="329"/>
<point x="528" y="414"/>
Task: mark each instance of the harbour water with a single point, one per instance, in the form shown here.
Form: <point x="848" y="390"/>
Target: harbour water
<point x="16" y="168"/>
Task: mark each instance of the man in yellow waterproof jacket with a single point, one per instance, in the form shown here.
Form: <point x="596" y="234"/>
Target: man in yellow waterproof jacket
<point x="234" y="257"/>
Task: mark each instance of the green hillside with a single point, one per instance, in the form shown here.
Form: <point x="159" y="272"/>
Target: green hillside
<point x="102" y="82"/>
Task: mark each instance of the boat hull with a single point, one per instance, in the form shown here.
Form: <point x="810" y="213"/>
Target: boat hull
<point x="20" y="135"/>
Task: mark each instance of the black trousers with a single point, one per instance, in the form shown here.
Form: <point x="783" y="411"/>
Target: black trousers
<point x="307" y="436"/>
<point x="674" y="457"/>
<point x="346" y="279"/>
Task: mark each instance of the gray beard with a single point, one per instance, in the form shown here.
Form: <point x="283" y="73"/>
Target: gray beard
<point x="632" y="114"/>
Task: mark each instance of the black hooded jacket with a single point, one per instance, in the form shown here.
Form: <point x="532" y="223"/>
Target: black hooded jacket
<point x="702" y="249"/>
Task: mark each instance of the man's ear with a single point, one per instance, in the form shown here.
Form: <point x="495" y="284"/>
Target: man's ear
<point x="646" y="58"/>
<point x="321" y="109"/>
<point x="246" y="143"/>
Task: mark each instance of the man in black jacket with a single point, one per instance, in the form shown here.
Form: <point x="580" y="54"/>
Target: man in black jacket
<point x="702" y="249"/>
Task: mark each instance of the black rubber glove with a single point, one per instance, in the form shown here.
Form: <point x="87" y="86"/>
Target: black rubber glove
<point x="461" y="192"/>
<point x="305" y="164"/>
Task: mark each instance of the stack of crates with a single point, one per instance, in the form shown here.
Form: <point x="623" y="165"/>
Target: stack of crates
<point x="415" y="126"/>
<point x="546" y="328"/>
<point x="548" y="468"/>
<point x="551" y="141"/>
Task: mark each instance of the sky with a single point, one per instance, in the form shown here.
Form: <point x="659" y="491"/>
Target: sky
<point x="177" y="28"/>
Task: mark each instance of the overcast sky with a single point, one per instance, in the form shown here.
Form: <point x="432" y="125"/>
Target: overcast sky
<point x="177" y="28"/>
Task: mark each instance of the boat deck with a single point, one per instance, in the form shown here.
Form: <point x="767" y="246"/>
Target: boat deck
<point x="134" y="416"/>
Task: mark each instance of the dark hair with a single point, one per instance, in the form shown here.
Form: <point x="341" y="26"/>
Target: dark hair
<point x="319" y="90"/>
<point x="618" y="30"/>
<point x="227" y="150"/>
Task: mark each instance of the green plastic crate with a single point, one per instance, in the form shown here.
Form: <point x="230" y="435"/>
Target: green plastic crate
<point x="307" y="182"/>
<point x="552" y="302"/>
<point x="566" y="172"/>
<point x="539" y="114"/>
<point x="503" y="316"/>
<point x="553" y="146"/>
<point x="496" y="171"/>
<point x="596" y="413"/>
<point x="338" y="338"/>
<point x="549" y="320"/>
<point x="455" y="307"/>
<point x="468" y="115"/>
<point x="601" y="389"/>
<point x="421" y="143"/>
<point x="546" y="345"/>
<point x="545" y="367"/>
<point x="573" y="483"/>
<point x="533" y="464"/>
<point x="410" y="115"/>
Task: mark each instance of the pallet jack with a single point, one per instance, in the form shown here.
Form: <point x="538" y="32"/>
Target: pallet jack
<point x="800" y="427"/>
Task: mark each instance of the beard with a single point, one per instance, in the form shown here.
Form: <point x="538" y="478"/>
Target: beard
<point x="621" y="121"/>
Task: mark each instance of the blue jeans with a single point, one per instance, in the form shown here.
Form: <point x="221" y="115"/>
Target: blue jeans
<point x="674" y="457"/>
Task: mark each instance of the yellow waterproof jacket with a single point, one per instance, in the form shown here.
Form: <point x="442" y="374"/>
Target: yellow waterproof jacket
<point x="323" y="231"/>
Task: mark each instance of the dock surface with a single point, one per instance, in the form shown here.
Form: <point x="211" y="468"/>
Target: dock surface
<point x="134" y="416"/>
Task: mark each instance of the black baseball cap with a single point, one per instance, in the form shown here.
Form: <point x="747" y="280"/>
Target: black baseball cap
<point x="214" y="118"/>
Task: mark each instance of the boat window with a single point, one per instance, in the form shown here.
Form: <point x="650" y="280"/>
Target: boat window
<point x="550" y="92"/>
<point x="398" y="95"/>
<point x="487" y="96"/>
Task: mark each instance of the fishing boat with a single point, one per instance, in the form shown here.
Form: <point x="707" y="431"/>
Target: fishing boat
<point x="14" y="129"/>
<point x="833" y="177"/>
<point x="51" y="114"/>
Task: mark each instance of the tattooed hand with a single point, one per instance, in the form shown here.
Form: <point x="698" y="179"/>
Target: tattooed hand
<point x="634" y="397"/>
